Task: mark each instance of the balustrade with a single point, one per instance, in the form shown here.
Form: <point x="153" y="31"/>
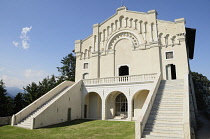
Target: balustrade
<point x="121" y="79"/>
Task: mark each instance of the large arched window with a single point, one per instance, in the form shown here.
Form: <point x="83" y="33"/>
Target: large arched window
<point x="121" y="105"/>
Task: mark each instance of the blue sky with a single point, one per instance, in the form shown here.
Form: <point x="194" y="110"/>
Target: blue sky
<point x="36" y="34"/>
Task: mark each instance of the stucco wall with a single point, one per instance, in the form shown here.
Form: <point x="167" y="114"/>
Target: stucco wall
<point x="5" y="120"/>
<point x="136" y="39"/>
<point x="57" y="112"/>
<point x="139" y="100"/>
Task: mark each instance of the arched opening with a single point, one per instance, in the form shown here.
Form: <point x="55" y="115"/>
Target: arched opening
<point x="138" y="102"/>
<point x="116" y="105"/>
<point x="171" y="72"/>
<point x="92" y="106"/>
<point x="123" y="71"/>
<point x="85" y="76"/>
<point x="121" y="105"/>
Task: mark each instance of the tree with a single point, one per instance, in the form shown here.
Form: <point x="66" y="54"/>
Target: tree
<point x="6" y="102"/>
<point x="68" y="68"/>
<point x="3" y="99"/>
<point x="202" y="92"/>
<point x="33" y="91"/>
<point x="19" y="102"/>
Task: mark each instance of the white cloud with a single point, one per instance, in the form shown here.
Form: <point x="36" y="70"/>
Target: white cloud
<point x="25" y="44"/>
<point x="24" y="32"/>
<point x="24" y="38"/>
<point x="15" y="43"/>
<point x="2" y="68"/>
<point x="29" y="73"/>
<point x="13" y="82"/>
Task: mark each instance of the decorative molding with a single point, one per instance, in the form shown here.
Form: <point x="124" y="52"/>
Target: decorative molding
<point x="124" y="34"/>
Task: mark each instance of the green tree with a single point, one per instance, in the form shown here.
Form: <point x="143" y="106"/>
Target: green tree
<point x="68" y="68"/>
<point x="6" y="102"/>
<point x="202" y="92"/>
<point x="19" y="102"/>
<point x="33" y="91"/>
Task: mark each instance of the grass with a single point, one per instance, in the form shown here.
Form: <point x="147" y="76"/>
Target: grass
<point x="77" y="129"/>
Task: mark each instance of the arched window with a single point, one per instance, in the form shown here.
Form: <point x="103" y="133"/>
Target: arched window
<point x="89" y="52"/>
<point x="121" y="105"/>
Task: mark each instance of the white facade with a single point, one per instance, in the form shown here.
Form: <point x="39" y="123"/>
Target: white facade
<point x="120" y="74"/>
<point x="137" y="40"/>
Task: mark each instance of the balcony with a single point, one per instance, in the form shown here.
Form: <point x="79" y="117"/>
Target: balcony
<point x="143" y="78"/>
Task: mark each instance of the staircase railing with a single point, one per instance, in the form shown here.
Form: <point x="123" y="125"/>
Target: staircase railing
<point x="121" y="79"/>
<point x="186" y="114"/>
<point x="39" y="102"/>
<point x="145" y="111"/>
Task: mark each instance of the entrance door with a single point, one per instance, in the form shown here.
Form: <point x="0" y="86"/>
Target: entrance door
<point x="171" y="72"/>
<point x="123" y="71"/>
<point x="121" y="105"/>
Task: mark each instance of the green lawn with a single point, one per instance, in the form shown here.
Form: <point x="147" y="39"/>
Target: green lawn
<point x="77" y="129"/>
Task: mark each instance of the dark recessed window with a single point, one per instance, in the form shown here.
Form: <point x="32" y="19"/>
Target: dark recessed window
<point x="169" y="55"/>
<point x="85" y="65"/>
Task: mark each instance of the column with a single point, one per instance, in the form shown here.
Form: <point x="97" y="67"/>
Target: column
<point x="126" y="22"/>
<point x="103" y="109"/>
<point x="151" y="32"/>
<point x="140" y="27"/>
<point x="129" y="109"/>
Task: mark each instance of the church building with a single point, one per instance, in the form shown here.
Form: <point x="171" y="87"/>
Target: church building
<point x="133" y="67"/>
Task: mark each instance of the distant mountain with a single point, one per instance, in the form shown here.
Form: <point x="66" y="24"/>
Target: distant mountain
<point x="8" y="94"/>
<point x="13" y="91"/>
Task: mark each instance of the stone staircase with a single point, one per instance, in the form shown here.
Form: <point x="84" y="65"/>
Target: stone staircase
<point x="166" y="117"/>
<point x="26" y="122"/>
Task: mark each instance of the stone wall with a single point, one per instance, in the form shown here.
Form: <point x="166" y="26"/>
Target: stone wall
<point x="5" y="120"/>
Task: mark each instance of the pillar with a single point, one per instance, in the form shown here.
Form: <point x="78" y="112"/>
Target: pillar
<point x="103" y="108"/>
<point x="130" y="109"/>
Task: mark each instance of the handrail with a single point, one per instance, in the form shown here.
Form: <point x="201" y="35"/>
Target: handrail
<point x="121" y="79"/>
<point x="39" y="102"/>
<point x="186" y="106"/>
<point x="142" y="119"/>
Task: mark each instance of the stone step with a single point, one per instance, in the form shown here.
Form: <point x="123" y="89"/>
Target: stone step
<point x="179" y="88"/>
<point x="170" y="100"/>
<point x="167" y="109"/>
<point x="178" y="131"/>
<point x="170" y="134"/>
<point x="170" y="93"/>
<point x="180" y="116"/>
<point x="168" y="106"/>
<point x="23" y="126"/>
<point x="164" y="126"/>
<point x="172" y="82"/>
<point x="157" y="127"/>
<point x="164" y="122"/>
<point x="169" y="96"/>
<point x="171" y="85"/>
<point x="163" y="136"/>
<point x="26" y="122"/>
<point x="166" y="112"/>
